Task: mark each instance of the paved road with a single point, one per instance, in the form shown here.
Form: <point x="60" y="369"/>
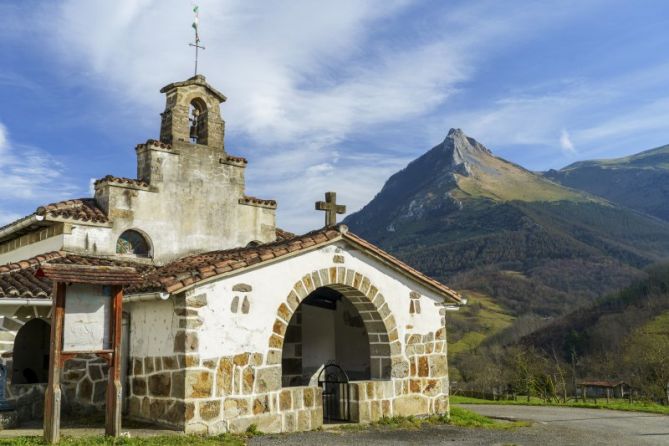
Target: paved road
<point x="634" y="428"/>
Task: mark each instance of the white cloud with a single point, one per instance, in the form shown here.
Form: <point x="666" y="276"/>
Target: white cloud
<point x="27" y="174"/>
<point x="3" y="139"/>
<point x="302" y="77"/>
<point x="566" y="142"/>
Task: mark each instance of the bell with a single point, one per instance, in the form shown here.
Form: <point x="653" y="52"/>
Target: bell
<point x="193" y="129"/>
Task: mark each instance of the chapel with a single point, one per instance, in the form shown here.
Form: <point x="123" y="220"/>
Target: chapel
<point x="234" y="322"/>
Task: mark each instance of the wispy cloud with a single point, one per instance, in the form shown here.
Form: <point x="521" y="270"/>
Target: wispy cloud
<point x="28" y="175"/>
<point x="325" y="95"/>
<point x="566" y="143"/>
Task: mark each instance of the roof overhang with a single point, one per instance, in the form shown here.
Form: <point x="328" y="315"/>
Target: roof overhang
<point x="359" y="244"/>
<point x="87" y="274"/>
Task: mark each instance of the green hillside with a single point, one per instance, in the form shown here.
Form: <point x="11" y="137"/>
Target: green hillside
<point x="638" y="182"/>
<point x="623" y="336"/>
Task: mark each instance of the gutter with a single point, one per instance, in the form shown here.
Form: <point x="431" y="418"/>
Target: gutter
<point x="145" y="297"/>
<point x="13" y="302"/>
<point x="27" y="221"/>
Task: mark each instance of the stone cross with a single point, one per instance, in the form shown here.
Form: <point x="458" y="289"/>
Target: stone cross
<point x="331" y="208"/>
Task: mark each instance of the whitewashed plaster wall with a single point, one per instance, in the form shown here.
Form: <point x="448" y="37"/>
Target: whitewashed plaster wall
<point x="54" y="243"/>
<point x="89" y="239"/>
<point x="225" y="333"/>
<point x="153" y="325"/>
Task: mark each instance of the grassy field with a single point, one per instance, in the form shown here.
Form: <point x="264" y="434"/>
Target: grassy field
<point x="482" y="317"/>
<point x="459" y="417"/>
<point x="601" y="404"/>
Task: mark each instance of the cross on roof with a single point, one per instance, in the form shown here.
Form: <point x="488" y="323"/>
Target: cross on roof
<point x="331" y="208"/>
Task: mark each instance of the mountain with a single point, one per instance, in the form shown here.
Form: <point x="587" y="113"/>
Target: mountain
<point x="638" y="182"/>
<point x="481" y="223"/>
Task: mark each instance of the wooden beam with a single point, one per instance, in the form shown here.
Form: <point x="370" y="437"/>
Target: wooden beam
<point x="114" y="387"/>
<point x="52" y="398"/>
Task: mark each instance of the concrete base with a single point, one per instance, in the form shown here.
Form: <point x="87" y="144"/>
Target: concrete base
<point x="9" y="419"/>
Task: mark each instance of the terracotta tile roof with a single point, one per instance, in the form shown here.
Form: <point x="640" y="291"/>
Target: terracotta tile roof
<point x="398" y="264"/>
<point x="190" y="270"/>
<point x="282" y="235"/>
<point x="96" y="275"/>
<point x="83" y="209"/>
<point x="119" y="180"/>
<point x="155" y="143"/>
<point x="236" y="159"/>
<point x="19" y="280"/>
<point x="247" y="199"/>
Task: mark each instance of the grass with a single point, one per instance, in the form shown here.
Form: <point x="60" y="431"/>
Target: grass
<point x="466" y="418"/>
<point x="484" y="318"/>
<point x="459" y="417"/>
<point x="166" y="440"/>
<point x="601" y="404"/>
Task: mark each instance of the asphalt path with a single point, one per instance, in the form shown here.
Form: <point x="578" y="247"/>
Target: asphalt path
<point x="633" y="428"/>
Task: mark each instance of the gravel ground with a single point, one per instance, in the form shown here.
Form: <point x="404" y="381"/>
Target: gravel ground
<point x="551" y="426"/>
<point x="446" y="435"/>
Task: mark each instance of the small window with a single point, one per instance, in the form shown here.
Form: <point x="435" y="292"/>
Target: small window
<point x="133" y="243"/>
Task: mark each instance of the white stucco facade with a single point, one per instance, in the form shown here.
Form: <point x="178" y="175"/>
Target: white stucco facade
<point x="225" y="333"/>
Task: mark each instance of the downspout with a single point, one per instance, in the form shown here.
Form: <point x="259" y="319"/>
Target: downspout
<point x="145" y="297"/>
<point x="14" y="302"/>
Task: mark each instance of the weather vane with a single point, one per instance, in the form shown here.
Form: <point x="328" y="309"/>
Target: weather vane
<point x="196" y="26"/>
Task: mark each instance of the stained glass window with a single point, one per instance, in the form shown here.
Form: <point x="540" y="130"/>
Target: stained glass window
<point x="133" y="243"/>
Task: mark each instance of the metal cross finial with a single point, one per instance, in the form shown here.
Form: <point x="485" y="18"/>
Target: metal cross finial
<point x="196" y="27"/>
<point x="331" y="208"/>
<point x="197" y="47"/>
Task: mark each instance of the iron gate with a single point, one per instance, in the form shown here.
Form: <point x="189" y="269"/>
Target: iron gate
<point x="336" y="398"/>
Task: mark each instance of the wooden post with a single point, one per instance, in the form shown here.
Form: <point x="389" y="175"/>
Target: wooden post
<point x="114" y="387"/>
<point x="608" y="395"/>
<point x="52" y="398"/>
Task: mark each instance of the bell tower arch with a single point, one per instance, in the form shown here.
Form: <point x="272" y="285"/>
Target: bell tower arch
<point x="193" y="114"/>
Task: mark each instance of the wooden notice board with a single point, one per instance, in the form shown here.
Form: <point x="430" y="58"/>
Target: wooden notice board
<point x="86" y="318"/>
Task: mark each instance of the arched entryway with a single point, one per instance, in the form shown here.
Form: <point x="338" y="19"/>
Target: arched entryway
<point x="326" y="328"/>
<point x="335" y="313"/>
<point x="31" y="353"/>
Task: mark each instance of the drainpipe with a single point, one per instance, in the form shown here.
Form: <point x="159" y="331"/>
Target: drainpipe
<point x="14" y="302"/>
<point x="145" y="297"/>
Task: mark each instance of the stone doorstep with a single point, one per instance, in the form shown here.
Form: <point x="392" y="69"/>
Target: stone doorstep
<point x="336" y="426"/>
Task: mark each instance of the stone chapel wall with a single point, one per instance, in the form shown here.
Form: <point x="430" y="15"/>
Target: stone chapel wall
<point x="225" y="371"/>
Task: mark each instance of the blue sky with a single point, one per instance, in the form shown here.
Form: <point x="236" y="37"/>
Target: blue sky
<point x="326" y="95"/>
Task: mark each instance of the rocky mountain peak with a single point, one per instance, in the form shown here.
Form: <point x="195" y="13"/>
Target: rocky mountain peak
<point x="461" y="151"/>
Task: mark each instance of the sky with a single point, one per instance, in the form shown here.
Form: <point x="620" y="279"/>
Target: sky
<point x="326" y="95"/>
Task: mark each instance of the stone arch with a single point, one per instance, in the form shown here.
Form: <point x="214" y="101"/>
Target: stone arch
<point x="198" y="116"/>
<point x="134" y="242"/>
<point x="30" y="357"/>
<point x="386" y="358"/>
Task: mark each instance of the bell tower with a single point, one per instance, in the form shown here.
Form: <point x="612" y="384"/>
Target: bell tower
<point x="192" y="114"/>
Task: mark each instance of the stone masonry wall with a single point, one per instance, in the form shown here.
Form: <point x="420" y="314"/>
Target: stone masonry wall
<point x="210" y="395"/>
